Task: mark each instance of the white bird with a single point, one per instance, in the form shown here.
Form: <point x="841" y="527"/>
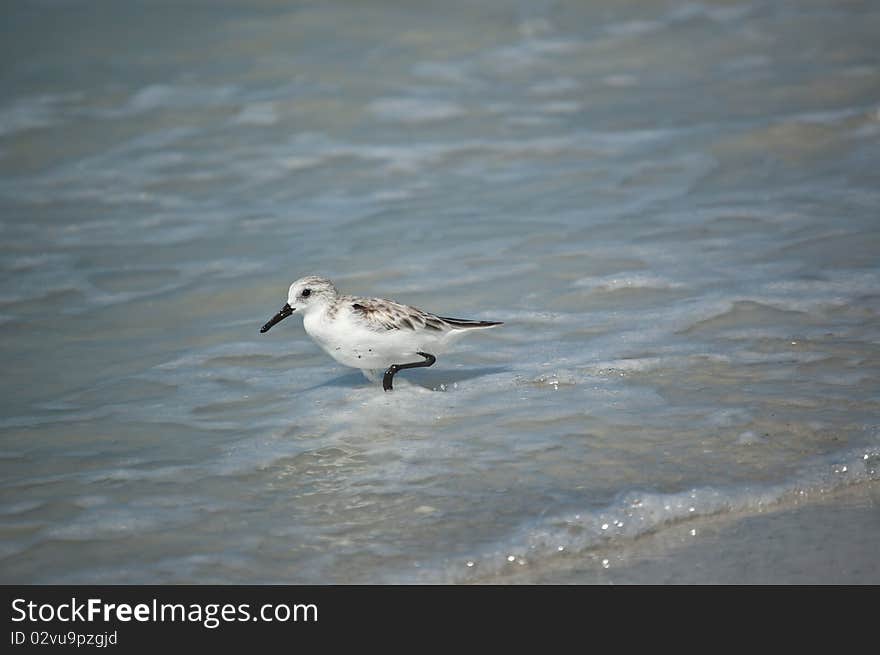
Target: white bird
<point x="371" y="334"/>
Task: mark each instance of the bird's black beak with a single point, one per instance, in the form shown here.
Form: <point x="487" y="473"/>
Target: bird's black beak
<point x="283" y="313"/>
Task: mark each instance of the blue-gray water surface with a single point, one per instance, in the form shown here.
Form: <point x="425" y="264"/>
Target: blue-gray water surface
<point x="673" y="206"/>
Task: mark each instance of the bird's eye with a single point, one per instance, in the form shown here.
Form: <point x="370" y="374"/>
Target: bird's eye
<point x="306" y="293"/>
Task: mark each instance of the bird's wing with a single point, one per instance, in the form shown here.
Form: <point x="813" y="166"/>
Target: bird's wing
<point x="381" y="315"/>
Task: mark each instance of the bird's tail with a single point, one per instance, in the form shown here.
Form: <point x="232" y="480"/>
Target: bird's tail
<point x="465" y="324"/>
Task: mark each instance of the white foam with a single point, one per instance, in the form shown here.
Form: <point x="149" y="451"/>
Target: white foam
<point x="726" y="418"/>
<point x="628" y="365"/>
<point x="168" y="96"/>
<point x="529" y="54"/>
<point x="34" y="112"/>
<point x="415" y="110"/>
<point x="748" y="438"/>
<point x="627" y="280"/>
<point x="21" y="507"/>
<point x="554" y="86"/>
<point x="111" y="523"/>
<point x="637" y="513"/>
<point x="261" y="114"/>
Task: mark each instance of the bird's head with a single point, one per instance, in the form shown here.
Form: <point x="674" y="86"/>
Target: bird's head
<point x="305" y="295"/>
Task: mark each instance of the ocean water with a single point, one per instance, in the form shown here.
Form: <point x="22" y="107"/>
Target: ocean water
<point x="673" y="206"/>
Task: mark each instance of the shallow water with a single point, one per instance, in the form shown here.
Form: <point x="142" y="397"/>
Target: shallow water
<point x="672" y="207"/>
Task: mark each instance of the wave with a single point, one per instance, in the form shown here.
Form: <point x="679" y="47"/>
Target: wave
<point x="636" y="513"/>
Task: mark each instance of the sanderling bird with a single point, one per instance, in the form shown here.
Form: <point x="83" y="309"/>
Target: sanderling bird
<point x="371" y="334"/>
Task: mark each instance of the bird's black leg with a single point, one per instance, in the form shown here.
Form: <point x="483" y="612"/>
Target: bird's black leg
<point x="389" y="374"/>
